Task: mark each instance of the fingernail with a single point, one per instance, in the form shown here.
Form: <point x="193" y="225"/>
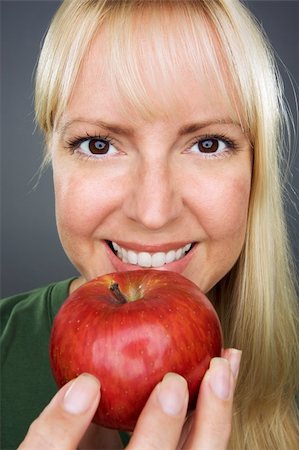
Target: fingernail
<point x="81" y="394"/>
<point x="234" y="360"/>
<point x="220" y="378"/>
<point x="172" y="394"/>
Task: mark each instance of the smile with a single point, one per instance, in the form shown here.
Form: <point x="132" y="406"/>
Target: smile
<point x="146" y="259"/>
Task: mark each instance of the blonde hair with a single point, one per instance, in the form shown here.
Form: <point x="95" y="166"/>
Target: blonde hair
<point x="257" y="300"/>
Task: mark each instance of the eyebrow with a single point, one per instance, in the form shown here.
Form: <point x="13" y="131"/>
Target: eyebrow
<point x="128" y="131"/>
<point x="196" y="126"/>
<point x="110" y="127"/>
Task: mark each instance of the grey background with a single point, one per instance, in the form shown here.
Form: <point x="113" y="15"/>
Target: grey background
<point x="31" y="254"/>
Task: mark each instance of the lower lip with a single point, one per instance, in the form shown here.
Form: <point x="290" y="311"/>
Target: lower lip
<point x="176" y="266"/>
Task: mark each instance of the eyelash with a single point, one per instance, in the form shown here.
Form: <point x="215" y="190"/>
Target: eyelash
<point x="74" y="144"/>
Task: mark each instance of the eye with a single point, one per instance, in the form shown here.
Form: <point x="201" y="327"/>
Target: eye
<point x="96" y="147"/>
<point x="210" y="146"/>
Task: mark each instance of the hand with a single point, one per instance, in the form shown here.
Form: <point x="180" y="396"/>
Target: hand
<point x="162" y="422"/>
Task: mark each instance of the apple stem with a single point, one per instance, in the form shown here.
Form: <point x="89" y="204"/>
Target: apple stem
<point x="119" y="296"/>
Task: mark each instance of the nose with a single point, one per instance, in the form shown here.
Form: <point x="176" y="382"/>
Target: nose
<point x="154" y="199"/>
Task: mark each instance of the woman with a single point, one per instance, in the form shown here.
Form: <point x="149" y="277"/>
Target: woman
<point x="164" y="142"/>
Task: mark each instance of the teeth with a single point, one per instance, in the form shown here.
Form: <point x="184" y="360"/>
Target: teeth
<point x="178" y="254"/>
<point x="124" y="255"/>
<point x="170" y="256"/>
<point x="145" y="259"/>
<point x="132" y="257"/>
<point x="187" y="247"/>
<point x="115" y="246"/>
<point x="158" y="259"/>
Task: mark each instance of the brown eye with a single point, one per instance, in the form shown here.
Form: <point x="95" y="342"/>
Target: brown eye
<point x="212" y="147"/>
<point x="208" y="145"/>
<point x="98" y="146"/>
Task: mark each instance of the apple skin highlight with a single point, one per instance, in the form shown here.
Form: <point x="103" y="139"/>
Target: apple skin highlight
<point x="129" y="329"/>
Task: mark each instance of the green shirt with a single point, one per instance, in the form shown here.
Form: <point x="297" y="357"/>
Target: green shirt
<point x="27" y="384"/>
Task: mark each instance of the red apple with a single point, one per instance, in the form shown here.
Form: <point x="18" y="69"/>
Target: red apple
<point x="129" y="329"/>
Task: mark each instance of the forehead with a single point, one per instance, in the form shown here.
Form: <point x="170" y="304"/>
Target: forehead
<point x="154" y="66"/>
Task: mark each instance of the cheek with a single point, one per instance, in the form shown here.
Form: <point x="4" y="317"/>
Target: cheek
<point x="82" y="202"/>
<point x="223" y="206"/>
<point x="221" y="212"/>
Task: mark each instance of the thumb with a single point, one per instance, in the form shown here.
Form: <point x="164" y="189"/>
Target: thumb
<point x="64" y="421"/>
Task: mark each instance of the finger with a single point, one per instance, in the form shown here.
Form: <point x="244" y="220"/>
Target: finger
<point x="64" y="421"/>
<point x="234" y="357"/>
<point x="212" y="420"/>
<point x="161" y="421"/>
<point x="186" y="430"/>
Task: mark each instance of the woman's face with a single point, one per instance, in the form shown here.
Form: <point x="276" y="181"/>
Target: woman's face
<point x="168" y="193"/>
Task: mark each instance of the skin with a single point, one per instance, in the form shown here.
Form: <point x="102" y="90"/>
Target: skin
<point x="71" y="410"/>
<point x="152" y="192"/>
<point x="153" y="189"/>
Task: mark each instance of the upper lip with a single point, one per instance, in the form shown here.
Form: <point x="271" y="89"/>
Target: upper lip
<point x="152" y="248"/>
